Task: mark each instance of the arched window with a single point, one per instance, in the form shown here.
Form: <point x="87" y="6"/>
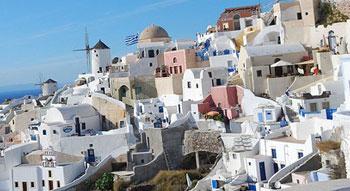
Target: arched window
<point x="236" y="22"/>
<point x="174" y="60"/>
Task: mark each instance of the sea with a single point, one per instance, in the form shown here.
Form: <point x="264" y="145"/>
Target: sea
<point x="18" y="94"/>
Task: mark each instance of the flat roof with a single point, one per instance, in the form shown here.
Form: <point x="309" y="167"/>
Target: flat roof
<point x="288" y="140"/>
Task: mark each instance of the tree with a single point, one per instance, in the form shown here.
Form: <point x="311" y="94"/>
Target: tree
<point x="105" y="182"/>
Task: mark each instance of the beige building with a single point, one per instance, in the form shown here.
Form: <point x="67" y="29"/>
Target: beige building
<point x="270" y="69"/>
<point x="127" y="89"/>
<point x="169" y="85"/>
<point x="113" y="112"/>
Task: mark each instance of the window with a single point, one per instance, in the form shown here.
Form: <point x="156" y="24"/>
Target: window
<point x="236" y="22"/>
<point x="43" y="183"/>
<point x="171" y="70"/>
<point x="188" y="84"/>
<point x="157" y="51"/>
<point x="282" y="166"/>
<point x="142" y="161"/>
<point x="44" y="132"/>
<point x="325" y="105"/>
<point x="54" y="132"/>
<point x="230" y="63"/>
<point x="50" y="173"/>
<point x="259" y="73"/>
<point x="142" y="54"/>
<point x="212" y="82"/>
<point x="313" y="107"/>
<point x="298" y="181"/>
<point x="273" y="153"/>
<point x="58" y="184"/>
<point x="16" y="184"/>
<point x="150" y="64"/>
<point x="268" y="115"/>
<point x="234" y="156"/>
<point x="197" y="85"/>
<point x="306" y="13"/>
<point x="138" y="90"/>
<point x="150" y="53"/>
<point x="174" y="60"/>
<point x="328" y="162"/>
<point x="299" y="16"/>
<point x="83" y="126"/>
<point x="210" y="75"/>
<point x="218" y="82"/>
<point x="249" y="163"/>
<point x="275" y="167"/>
<point x="175" y="69"/>
<point x="300" y="155"/>
<point x="180" y="69"/>
<point x="248" y="23"/>
<point x="100" y="69"/>
<point x="91" y="145"/>
<point x="32" y="184"/>
<point x="160" y="109"/>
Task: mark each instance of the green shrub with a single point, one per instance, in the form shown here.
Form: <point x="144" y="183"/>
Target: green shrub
<point x="105" y="182"/>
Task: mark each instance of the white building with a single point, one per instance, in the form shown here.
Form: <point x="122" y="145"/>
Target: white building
<point x="150" y="113"/>
<point x="67" y="121"/>
<point x="46" y="170"/>
<point x="223" y="53"/>
<point x="237" y="148"/>
<point x="197" y="82"/>
<point x="100" y="58"/>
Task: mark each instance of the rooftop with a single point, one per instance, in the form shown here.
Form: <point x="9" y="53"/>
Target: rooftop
<point x="288" y="140"/>
<point x="275" y="49"/>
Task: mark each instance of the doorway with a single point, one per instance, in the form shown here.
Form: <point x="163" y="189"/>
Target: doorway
<point x="262" y="171"/>
<point x="77" y="126"/>
<point x="24" y="186"/>
<point x="50" y="185"/>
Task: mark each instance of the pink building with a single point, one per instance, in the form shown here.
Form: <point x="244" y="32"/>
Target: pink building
<point x="178" y="61"/>
<point x="228" y="97"/>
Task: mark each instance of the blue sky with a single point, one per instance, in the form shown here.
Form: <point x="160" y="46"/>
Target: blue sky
<point x="37" y="37"/>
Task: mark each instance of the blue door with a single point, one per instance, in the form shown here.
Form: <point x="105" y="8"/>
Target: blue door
<point x="260" y="117"/>
<point x="262" y="171"/>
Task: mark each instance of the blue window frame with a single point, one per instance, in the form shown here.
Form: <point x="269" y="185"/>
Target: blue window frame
<point x="273" y="153"/>
<point x="300" y="154"/>
<point x="268" y="115"/>
<point x="161" y="110"/>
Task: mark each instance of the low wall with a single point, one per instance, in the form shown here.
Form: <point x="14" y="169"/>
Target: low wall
<point x="147" y="171"/>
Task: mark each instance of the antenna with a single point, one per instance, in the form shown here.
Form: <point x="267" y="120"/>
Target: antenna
<point x="86" y="49"/>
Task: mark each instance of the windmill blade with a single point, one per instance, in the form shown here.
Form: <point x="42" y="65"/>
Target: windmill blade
<point x="84" y="49"/>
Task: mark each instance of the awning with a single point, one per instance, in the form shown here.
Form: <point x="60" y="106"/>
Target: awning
<point x="281" y="63"/>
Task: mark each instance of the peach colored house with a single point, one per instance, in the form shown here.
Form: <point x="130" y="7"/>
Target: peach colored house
<point x="178" y="61"/>
<point x="229" y="98"/>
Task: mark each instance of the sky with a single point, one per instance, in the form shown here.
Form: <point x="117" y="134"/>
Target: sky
<point x="37" y="37"/>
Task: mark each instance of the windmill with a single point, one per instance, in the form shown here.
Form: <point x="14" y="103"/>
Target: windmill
<point x="86" y="49"/>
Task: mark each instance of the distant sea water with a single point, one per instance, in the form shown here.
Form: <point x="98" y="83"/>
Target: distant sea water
<point x="17" y="94"/>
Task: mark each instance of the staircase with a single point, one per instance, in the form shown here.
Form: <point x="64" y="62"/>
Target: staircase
<point x="168" y="161"/>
